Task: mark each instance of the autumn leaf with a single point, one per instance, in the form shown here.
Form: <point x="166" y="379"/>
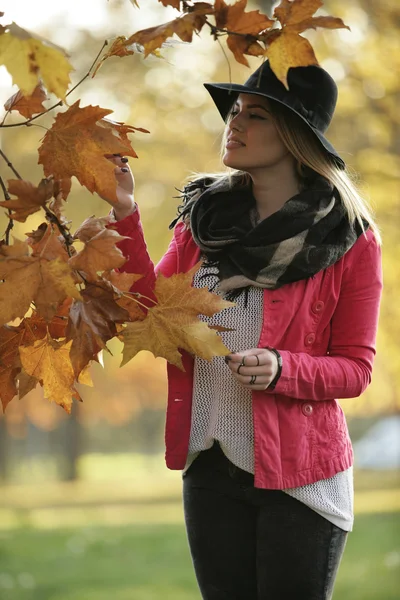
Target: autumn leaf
<point x="76" y="145"/>
<point x="29" y="59"/>
<point x="27" y="279"/>
<point x="30" y="199"/>
<point x="121" y="284"/>
<point x="119" y="48"/>
<point x="314" y="22"/>
<point x="294" y="11"/>
<point x="50" y="245"/>
<point x="173" y="322"/>
<point x="153" y="38"/>
<point x="289" y="50"/>
<point x="48" y="362"/>
<point x="27" y="105"/>
<point x="174" y="3"/>
<point x="10" y="338"/>
<point x="93" y="321"/>
<point x="233" y="18"/>
<point x="91" y="227"/>
<point x="100" y="253"/>
<point x="121" y="129"/>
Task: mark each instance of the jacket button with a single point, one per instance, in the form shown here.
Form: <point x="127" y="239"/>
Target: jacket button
<point x="307" y="410"/>
<point x="309" y="339"/>
<point x="318" y="306"/>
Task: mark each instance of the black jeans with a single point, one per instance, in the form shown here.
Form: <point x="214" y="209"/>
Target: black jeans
<point x="255" y="544"/>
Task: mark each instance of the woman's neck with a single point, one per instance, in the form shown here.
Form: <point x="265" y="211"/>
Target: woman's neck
<point x="271" y="190"/>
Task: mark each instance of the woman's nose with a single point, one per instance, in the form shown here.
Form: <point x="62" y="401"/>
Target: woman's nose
<point x="236" y="123"/>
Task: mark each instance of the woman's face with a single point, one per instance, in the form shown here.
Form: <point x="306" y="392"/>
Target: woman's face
<point x="253" y="141"/>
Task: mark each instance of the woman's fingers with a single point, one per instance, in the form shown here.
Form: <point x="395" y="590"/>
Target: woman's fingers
<point x="254" y="368"/>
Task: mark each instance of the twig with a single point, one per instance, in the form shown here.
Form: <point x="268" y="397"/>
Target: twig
<point x="9" y="164"/>
<point x="11" y="222"/>
<point x="52" y="218"/>
<point x="60" y="103"/>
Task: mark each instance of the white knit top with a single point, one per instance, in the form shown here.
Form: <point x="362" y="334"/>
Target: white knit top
<point x="222" y="408"/>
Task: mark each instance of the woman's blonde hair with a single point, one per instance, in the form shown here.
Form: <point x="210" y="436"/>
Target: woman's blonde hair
<point x="310" y="154"/>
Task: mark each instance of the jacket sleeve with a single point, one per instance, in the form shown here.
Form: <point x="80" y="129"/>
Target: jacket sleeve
<point x="347" y="369"/>
<point x="138" y="260"/>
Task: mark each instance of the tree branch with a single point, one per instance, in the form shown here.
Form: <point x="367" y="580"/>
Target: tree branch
<point x="60" y="103"/>
<point x="11" y="223"/>
<point x="9" y="164"/>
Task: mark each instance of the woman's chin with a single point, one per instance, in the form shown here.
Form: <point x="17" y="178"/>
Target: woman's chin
<point x="229" y="161"/>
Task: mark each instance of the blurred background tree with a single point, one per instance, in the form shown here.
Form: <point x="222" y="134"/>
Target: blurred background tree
<point x="124" y="412"/>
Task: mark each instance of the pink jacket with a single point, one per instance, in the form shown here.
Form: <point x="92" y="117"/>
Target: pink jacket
<point x="325" y="329"/>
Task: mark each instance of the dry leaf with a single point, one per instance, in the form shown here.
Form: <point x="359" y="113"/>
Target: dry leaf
<point x="173" y="323"/>
<point x="30" y="198"/>
<point x="119" y="48"/>
<point x="48" y="362"/>
<point x="27" y="105"/>
<point x="294" y="11"/>
<point x="76" y="145"/>
<point x="91" y="227"/>
<point x="28" y="58"/>
<point x="99" y="254"/>
<point x="289" y="50"/>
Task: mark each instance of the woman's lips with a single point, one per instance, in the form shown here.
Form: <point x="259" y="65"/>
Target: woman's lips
<point x="231" y="144"/>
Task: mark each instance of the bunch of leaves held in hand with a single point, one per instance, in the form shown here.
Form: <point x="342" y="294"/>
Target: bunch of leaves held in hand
<point x="70" y="301"/>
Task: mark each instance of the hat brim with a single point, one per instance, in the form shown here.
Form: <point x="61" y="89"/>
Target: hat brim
<point x="225" y="94"/>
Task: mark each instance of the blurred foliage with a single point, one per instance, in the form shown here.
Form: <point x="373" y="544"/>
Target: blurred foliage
<point x="167" y="97"/>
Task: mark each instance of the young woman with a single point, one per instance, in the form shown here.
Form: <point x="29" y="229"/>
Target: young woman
<point x="262" y="441"/>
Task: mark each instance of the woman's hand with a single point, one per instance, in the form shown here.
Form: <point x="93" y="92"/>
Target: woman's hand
<point x="254" y="368"/>
<point x="125" y="187"/>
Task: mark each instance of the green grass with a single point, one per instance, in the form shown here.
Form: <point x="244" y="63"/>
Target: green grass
<point x="151" y="562"/>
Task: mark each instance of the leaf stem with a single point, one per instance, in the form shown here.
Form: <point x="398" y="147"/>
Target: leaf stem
<point x="138" y="295"/>
<point x="60" y="103"/>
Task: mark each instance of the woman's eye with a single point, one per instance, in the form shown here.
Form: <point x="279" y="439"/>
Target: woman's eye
<point x="254" y="116"/>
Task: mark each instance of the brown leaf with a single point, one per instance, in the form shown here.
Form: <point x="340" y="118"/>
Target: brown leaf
<point x="174" y="3"/>
<point x="26" y="383"/>
<point x="29" y="279"/>
<point x="76" y="145"/>
<point x="85" y="346"/>
<point x="46" y="242"/>
<point x="173" y="322"/>
<point x="121" y="129"/>
<point x="91" y="227"/>
<point x="27" y="105"/>
<point x="49" y="363"/>
<point x="117" y="48"/>
<point x="10" y="338"/>
<point x="99" y="254"/>
<point x="289" y="50"/>
<point x="30" y="198"/>
<point x="233" y="18"/>
<point x="314" y="22"/>
<point x="294" y="11"/>
<point x="184" y="27"/>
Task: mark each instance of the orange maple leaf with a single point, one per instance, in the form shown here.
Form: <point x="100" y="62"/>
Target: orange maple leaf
<point x="49" y="363"/>
<point x="234" y="19"/>
<point x="30" y="198"/>
<point x="119" y="48"/>
<point x="27" y="105"/>
<point x="294" y="11"/>
<point x="76" y="145"/>
<point x="173" y="323"/>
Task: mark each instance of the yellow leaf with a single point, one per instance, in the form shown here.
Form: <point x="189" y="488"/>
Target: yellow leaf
<point x="29" y="279"/>
<point x="29" y="58"/>
<point x="49" y="363"/>
<point x="173" y="323"/>
<point x="289" y="50"/>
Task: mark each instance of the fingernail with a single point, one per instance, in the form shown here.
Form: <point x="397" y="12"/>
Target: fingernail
<point x="124" y="160"/>
<point x="124" y="170"/>
<point x="116" y="155"/>
<point x="227" y="359"/>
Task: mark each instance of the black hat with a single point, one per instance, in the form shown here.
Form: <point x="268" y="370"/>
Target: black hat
<point x="312" y="95"/>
